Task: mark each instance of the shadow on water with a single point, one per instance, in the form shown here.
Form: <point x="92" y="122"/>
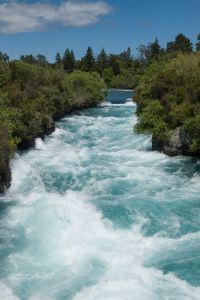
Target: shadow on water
<point x="186" y="166"/>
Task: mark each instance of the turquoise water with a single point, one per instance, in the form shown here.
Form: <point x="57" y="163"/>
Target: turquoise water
<point x="93" y="214"/>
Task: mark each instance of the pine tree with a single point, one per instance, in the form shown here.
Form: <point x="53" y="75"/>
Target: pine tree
<point x="69" y="61"/>
<point x="198" y="43"/>
<point x="116" y="67"/>
<point x="66" y="60"/>
<point x="102" y="61"/>
<point x="29" y="59"/>
<point x="4" y="57"/>
<point x="58" y="59"/>
<point x="41" y="60"/>
<point x="127" y="57"/>
<point x="155" y="50"/>
<point x="89" y="61"/>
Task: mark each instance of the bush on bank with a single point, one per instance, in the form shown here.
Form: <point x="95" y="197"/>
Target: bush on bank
<point x="168" y="97"/>
<point x="32" y="98"/>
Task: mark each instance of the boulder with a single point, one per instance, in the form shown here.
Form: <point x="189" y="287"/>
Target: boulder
<point x="5" y="177"/>
<point x="177" y="144"/>
<point x="5" y="154"/>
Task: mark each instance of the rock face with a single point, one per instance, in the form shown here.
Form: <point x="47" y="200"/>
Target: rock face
<point x="5" y="177"/>
<point x="5" y="153"/>
<point x="177" y="144"/>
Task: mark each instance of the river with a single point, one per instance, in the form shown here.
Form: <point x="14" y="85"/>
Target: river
<point x="94" y="214"/>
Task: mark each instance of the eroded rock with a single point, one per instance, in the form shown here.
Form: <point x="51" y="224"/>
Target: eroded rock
<point x="177" y="144"/>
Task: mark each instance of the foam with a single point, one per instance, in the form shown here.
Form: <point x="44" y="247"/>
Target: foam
<point x="62" y="243"/>
<point x="109" y="104"/>
<point x="6" y="293"/>
<point x="39" y="144"/>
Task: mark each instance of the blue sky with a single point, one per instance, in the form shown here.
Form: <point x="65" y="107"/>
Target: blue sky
<point x="50" y="26"/>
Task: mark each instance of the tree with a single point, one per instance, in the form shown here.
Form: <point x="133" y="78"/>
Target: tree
<point x="29" y="59"/>
<point x="129" y="54"/>
<point x="170" y="47"/>
<point x="58" y="59"/>
<point x="69" y="60"/>
<point x="102" y="61"/>
<point x="198" y="43"/>
<point x="116" y="67"/>
<point x="108" y="75"/>
<point x="89" y="61"/>
<point x="115" y="63"/>
<point x="127" y="57"/>
<point x="183" y="44"/>
<point x="144" y="54"/>
<point x="4" y="57"/>
<point x="79" y="64"/>
<point x="155" y="50"/>
<point x="41" y="60"/>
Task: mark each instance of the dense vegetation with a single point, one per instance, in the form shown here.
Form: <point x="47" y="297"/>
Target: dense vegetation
<point x="117" y="70"/>
<point x="168" y="97"/>
<point x="32" y="96"/>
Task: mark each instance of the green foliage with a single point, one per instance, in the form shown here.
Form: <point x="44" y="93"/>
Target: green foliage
<point x="88" y="61"/>
<point x="116" y="67"/>
<point x="192" y="126"/>
<point x="181" y="43"/>
<point x="152" y="120"/>
<point x="8" y="120"/>
<point x="198" y="43"/>
<point x="127" y="58"/>
<point x="102" y="61"/>
<point x="155" y="50"/>
<point x="168" y="96"/>
<point x="68" y="61"/>
<point x="58" y="60"/>
<point x="113" y="68"/>
<point x="87" y="87"/>
<point x="108" y="76"/>
<point x="127" y="79"/>
<point x="39" y="60"/>
<point x="32" y="97"/>
<point x="4" y="74"/>
<point x="4" y="57"/>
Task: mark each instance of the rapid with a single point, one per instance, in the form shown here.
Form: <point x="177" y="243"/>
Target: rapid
<point x="94" y="214"/>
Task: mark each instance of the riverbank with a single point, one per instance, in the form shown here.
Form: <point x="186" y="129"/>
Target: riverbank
<point x="168" y="97"/>
<point x="32" y="98"/>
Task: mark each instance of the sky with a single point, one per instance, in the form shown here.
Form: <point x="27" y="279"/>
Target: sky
<point x="51" y="26"/>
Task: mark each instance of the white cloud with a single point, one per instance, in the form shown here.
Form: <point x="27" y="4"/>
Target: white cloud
<point x="18" y="17"/>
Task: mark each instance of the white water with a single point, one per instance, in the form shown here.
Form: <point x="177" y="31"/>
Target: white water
<point x="92" y="214"/>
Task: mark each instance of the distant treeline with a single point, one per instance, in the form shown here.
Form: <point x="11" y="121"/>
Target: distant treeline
<point x="118" y="70"/>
